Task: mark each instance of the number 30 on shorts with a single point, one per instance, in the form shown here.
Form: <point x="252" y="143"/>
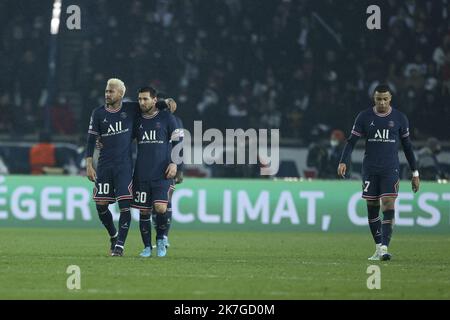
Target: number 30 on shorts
<point x="366" y="186"/>
<point x="141" y="197"/>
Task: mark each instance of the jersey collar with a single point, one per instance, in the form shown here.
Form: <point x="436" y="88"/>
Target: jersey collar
<point x="382" y="114"/>
<point x="113" y="111"/>
<point x="150" y="117"/>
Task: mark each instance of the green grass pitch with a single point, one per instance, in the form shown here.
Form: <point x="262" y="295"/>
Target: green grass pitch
<point x="221" y="265"/>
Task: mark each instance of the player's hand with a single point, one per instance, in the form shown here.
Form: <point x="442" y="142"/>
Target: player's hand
<point x="91" y="174"/>
<point x="171" y="104"/>
<point x="342" y="168"/>
<point x="415" y="182"/>
<point x="98" y="144"/>
<point x="171" y="171"/>
<point x="179" y="177"/>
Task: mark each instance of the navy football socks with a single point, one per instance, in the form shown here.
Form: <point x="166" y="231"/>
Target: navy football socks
<point x="161" y="225"/>
<point x="374" y="222"/>
<point x="169" y="220"/>
<point x="124" y="225"/>
<point x="107" y="220"/>
<point x="387" y="226"/>
<point x="145" y="228"/>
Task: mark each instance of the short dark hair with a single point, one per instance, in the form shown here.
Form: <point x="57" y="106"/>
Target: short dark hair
<point x="382" y="88"/>
<point x="150" y="90"/>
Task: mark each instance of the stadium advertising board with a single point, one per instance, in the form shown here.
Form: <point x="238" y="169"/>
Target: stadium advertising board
<point x="52" y="201"/>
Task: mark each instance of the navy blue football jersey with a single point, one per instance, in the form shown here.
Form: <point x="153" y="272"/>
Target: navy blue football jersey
<point x="115" y="129"/>
<point x="383" y="134"/>
<point x="154" y="134"/>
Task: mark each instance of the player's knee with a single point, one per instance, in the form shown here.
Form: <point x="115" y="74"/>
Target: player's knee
<point x="160" y="208"/>
<point x="102" y="207"/>
<point x="387" y="207"/>
<point x="124" y="204"/>
<point x="373" y="203"/>
<point x="388" y="203"/>
<point x="144" y="212"/>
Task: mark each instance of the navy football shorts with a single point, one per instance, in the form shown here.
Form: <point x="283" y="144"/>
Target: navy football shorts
<point x="148" y="193"/>
<point x="114" y="184"/>
<point x="376" y="186"/>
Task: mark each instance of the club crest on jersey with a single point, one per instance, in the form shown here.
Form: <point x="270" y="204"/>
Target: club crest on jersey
<point x="391" y="124"/>
<point x="123" y="115"/>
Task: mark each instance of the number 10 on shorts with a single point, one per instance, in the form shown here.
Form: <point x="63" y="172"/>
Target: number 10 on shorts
<point x="103" y="188"/>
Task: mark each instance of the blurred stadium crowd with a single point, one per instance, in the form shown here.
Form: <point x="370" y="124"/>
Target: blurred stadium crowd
<point x="306" y="67"/>
<point x="234" y="63"/>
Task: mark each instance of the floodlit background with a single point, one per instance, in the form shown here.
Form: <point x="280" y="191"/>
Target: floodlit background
<point x="304" y="67"/>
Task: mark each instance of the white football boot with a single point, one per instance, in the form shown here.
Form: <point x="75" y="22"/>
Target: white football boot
<point x="377" y="255"/>
<point x="384" y="254"/>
